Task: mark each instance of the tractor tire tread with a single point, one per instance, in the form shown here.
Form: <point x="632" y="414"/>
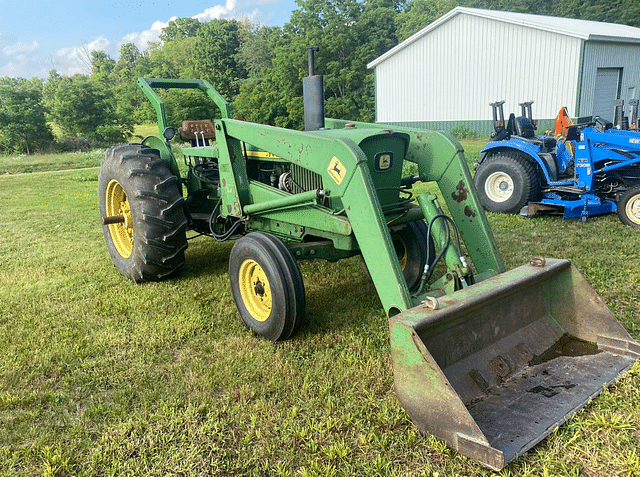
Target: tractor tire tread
<point x="144" y="172"/>
<point x="289" y="300"/>
<point x="528" y="189"/>
<point x="295" y="283"/>
<point x="167" y="224"/>
<point x="632" y="193"/>
<point x="166" y="184"/>
<point x="173" y="208"/>
<point x="157" y="210"/>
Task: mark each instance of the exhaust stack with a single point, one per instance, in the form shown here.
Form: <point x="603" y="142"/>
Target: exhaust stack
<point x="313" y="96"/>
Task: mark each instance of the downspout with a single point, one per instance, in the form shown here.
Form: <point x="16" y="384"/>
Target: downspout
<point x="580" y="75"/>
<point x="375" y="92"/>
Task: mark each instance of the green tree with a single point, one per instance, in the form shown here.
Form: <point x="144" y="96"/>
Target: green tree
<point x="23" y="126"/>
<point x="349" y="84"/>
<point x="255" y="52"/>
<point x="621" y="11"/>
<point x="179" y="29"/>
<point x="173" y="60"/>
<point x="217" y="44"/>
<point x="49" y="88"/>
<point x="130" y="58"/>
<point x="276" y="98"/>
<point x="81" y="108"/>
<point x="349" y="34"/>
<point x="263" y="102"/>
<point x="102" y="65"/>
<point x="418" y="14"/>
<point x="128" y="101"/>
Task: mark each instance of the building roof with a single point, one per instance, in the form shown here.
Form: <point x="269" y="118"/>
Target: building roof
<point x="583" y="29"/>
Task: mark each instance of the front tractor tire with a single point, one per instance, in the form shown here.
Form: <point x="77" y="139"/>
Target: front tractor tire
<point x="629" y="206"/>
<point x="412" y="247"/>
<point x="267" y="286"/>
<point x="506" y="182"/>
<point x="140" y="202"/>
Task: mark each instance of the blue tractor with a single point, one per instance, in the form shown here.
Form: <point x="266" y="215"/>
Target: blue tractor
<point x="582" y="170"/>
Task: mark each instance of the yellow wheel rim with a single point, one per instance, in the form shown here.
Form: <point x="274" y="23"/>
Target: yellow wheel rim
<point x="116" y="203"/>
<point x="255" y="290"/>
<point x="401" y="251"/>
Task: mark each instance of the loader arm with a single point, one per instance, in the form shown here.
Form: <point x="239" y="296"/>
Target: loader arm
<point x="345" y="173"/>
<point x="440" y="158"/>
<point x="343" y="167"/>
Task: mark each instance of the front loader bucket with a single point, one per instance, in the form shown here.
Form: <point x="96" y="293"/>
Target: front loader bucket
<point x="500" y="364"/>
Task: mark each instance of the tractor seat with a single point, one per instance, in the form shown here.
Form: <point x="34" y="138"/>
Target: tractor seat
<point x="198" y="132"/>
<point x="525" y="127"/>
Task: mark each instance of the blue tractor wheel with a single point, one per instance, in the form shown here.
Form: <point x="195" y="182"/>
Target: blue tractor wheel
<point x="506" y="181"/>
<point x="629" y="206"/>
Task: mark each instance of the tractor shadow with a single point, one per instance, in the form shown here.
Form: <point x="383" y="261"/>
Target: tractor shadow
<point x="206" y="258"/>
<point x="340" y="296"/>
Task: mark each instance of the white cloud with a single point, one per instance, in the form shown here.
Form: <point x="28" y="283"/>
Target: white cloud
<point x="20" y="48"/>
<point x="14" y="66"/>
<point x="257" y="16"/>
<point x="142" y="39"/>
<point x="100" y="43"/>
<point x="27" y="59"/>
<point x="215" y="12"/>
<point x="14" y="62"/>
<point x="77" y="59"/>
<point x="267" y="2"/>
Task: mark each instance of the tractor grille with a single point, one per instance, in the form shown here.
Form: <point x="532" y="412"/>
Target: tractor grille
<point x="304" y="179"/>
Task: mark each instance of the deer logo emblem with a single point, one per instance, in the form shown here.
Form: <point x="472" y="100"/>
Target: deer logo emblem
<point x="336" y="170"/>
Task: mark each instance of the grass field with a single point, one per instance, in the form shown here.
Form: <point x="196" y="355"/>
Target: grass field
<point x="99" y="376"/>
<point x="14" y="164"/>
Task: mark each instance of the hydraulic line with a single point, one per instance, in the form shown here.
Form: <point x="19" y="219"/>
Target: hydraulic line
<point x="229" y="233"/>
<point x="430" y="267"/>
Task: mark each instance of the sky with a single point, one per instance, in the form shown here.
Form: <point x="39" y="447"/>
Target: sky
<point x="39" y="35"/>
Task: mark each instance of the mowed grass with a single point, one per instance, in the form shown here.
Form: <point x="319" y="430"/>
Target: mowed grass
<point x="18" y="163"/>
<point x="13" y="164"/>
<point x="100" y="376"/>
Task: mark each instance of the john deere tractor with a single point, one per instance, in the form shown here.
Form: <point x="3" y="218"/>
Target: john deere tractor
<point x="489" y="360"/>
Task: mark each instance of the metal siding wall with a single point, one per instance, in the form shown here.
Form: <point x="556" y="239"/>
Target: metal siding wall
<point x="481" y="128"/>
<point x="605" y="92"/>
<point x="455" y="71"/>
<point x="608" y="55"/>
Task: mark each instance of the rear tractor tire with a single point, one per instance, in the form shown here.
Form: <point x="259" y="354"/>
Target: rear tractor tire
<point x="267" y="286"/>
<point x="139" y="197"/>
<point x="506" y="182"/>
<point x="629" y="206"/>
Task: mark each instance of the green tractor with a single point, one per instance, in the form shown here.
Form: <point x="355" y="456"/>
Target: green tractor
<point x="488" y="360"/>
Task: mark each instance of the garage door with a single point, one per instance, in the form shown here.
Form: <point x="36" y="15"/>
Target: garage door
<point x="606" y="92"/>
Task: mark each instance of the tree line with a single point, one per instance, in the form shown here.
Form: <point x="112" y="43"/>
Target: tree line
<point x="258" y="69"/>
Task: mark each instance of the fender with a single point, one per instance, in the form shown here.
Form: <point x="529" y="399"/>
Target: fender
<point x="155" y="142"/>
<point x="527" y="149"/>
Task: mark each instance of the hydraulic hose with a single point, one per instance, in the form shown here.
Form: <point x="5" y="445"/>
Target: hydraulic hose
<point x="229" y="233"/>
<point x="430" y="267"/>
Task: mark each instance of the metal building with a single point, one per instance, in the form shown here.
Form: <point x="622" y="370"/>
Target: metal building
<point x="446" y="75"/>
